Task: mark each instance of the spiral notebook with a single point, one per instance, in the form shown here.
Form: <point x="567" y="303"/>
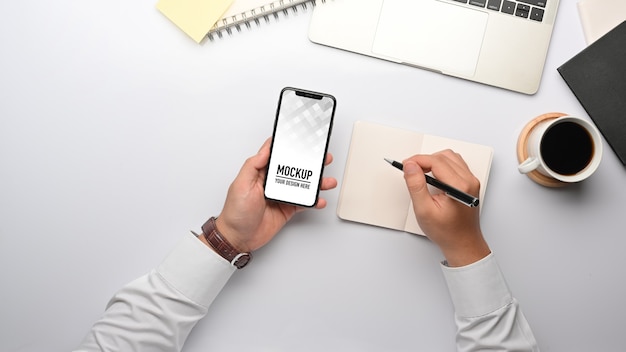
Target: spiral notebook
<point x="211" y="18"/>
<point x="243" y="13"/>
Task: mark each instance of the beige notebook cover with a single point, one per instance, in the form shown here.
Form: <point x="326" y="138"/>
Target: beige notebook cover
<point x="373" y="192"/>
<point x="598" y="17"/>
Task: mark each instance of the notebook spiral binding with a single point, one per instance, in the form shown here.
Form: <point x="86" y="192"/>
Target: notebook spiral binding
<point x="256" y="15"/>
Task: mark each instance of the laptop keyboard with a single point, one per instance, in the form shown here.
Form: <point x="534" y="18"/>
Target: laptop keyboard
<point x="530" y="9"/>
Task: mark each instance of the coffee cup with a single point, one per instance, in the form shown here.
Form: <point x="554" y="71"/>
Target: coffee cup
<point x="567" y="149"/>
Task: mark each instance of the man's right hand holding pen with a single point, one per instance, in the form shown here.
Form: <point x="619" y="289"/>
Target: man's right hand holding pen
<point x="454" y="227"/>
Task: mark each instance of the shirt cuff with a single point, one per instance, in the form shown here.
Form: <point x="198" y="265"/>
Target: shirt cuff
<point x="477" y="289"/>
<point x="195" y="270"/>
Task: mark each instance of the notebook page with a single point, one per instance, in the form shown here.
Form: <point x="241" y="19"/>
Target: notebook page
<point x="372" y="191"/>
<point x="478" y="158"/>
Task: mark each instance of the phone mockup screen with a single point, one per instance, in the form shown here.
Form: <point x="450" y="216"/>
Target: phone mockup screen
<point x="300" y="141"/>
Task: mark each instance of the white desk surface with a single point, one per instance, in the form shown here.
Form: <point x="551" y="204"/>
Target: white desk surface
<point x="118" y="134"/>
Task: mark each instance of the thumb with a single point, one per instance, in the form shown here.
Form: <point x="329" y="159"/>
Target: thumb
<point x="416" y="183"/>
<point x="262" y="157"/>
<point x="254" y="166"/>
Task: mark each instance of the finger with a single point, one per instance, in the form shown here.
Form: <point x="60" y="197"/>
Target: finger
<point x="328" y="183"/>
<point x="266" y="144"/>
<point x="455" y="160"/>
<point x="416" y="183"/>
<point x="261" y="158"/>
<point x="254" y="166"/>
<point x="441" y="166"/>
<point x="329" y="159"/>
<point x="451" y="168"/>
<point x="321" y="203"/>
<point x="425" y="161"/>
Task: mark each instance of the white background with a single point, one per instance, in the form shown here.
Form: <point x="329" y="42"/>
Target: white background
<point x="118" y="134"/>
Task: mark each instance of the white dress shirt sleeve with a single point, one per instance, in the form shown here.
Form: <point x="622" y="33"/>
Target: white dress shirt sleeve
<point x="487" y="316"/>
<point x="157" y="311"/>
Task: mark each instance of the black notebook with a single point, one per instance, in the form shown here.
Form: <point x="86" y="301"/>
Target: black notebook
<point x="597" y="77"/>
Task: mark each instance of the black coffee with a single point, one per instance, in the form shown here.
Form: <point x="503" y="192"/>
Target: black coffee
<point x="567" y="148"/>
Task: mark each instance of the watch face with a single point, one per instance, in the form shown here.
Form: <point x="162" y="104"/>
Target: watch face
<point x="242" y="260"/>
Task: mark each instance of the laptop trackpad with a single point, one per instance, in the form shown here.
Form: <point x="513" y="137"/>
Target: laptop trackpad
<point x="431" y="34"/>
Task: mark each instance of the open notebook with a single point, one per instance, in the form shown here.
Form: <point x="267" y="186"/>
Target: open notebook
<point x="374" y="193"/>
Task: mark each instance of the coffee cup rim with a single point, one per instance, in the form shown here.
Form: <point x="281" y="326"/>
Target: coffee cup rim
<point x="596" y="158"/>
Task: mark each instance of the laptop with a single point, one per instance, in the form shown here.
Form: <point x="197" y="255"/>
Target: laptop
<point x="502" y="43"/>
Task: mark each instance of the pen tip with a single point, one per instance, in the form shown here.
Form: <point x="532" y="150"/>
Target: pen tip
<point x="388" y="160"/>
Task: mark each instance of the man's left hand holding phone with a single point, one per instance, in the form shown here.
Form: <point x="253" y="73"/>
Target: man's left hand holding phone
<point x="285" y="176"/>
<point x="302" y="130"/>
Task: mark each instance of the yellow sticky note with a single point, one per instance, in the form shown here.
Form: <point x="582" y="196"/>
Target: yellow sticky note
<point x="194" y="17"/>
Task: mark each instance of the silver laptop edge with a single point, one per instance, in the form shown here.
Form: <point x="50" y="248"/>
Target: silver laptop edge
<point x="512" y="53"/>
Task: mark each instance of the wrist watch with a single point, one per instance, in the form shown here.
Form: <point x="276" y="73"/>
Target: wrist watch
<point x="222" y="246"/>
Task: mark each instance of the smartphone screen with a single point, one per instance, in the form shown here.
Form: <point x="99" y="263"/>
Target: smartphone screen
<point x="301" y="134"/>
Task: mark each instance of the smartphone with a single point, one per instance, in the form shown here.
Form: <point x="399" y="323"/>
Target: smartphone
<point x="302" y="128"/>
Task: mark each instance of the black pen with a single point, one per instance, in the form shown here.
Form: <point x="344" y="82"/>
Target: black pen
<point x="450" y="191"/>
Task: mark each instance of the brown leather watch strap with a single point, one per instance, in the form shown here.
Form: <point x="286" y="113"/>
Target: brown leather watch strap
<point x="222" y="246"/>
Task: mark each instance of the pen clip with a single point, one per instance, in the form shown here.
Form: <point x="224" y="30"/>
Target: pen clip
<point x="474" y="202"/>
